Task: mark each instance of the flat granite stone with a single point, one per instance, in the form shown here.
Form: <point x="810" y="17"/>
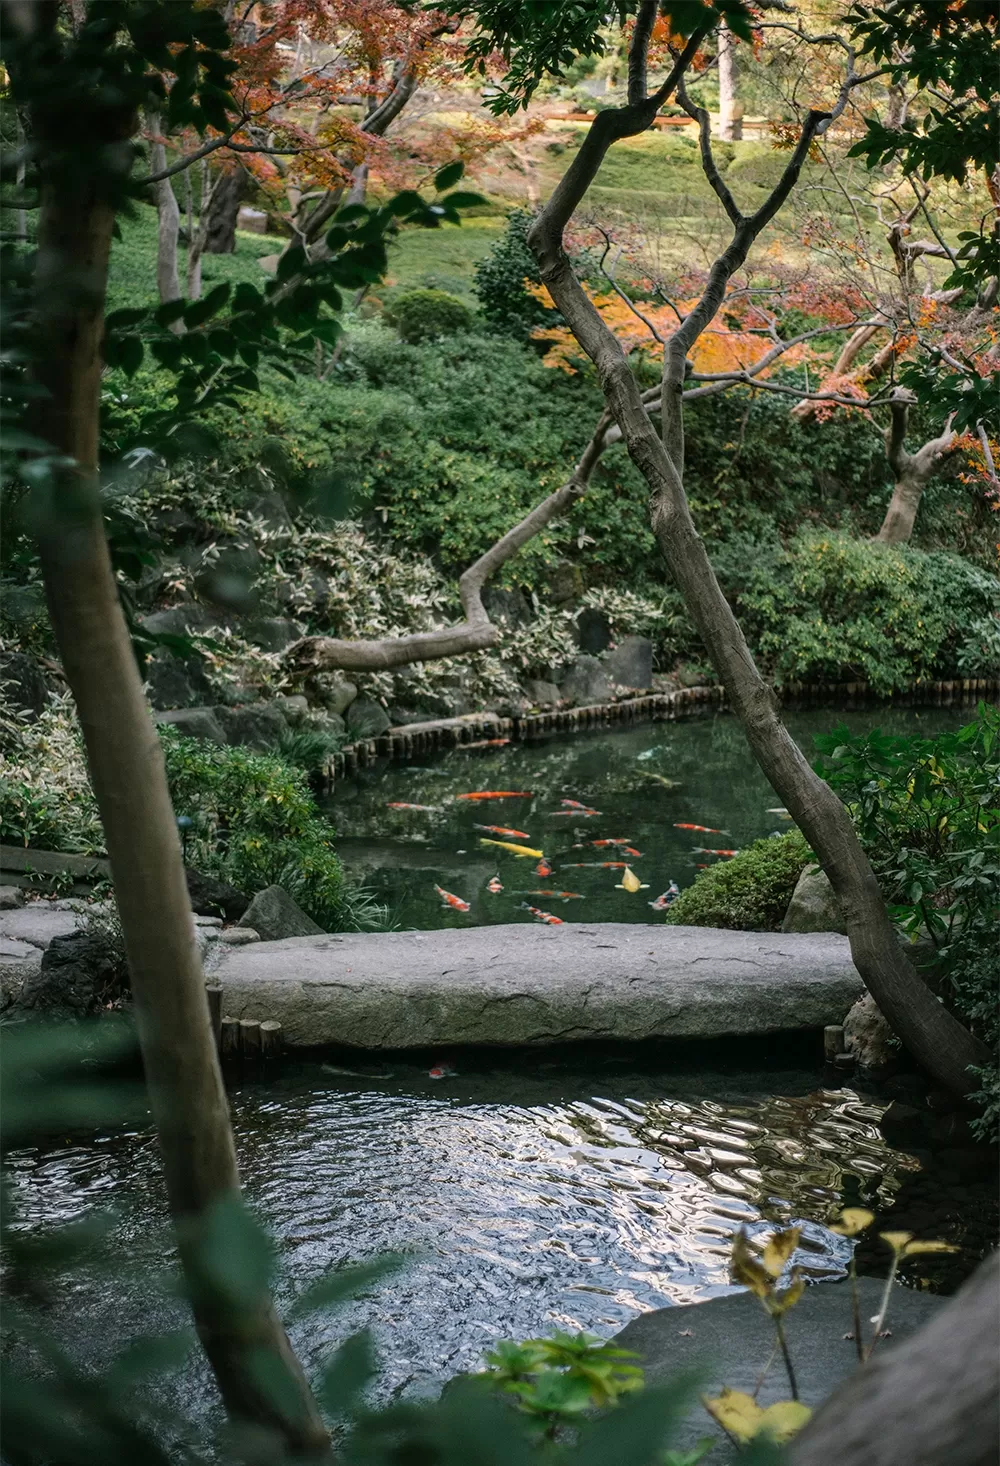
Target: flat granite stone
<point x="728" y="1340"/>
<point x="539" y="985"/>
<point x="37" y="923"/>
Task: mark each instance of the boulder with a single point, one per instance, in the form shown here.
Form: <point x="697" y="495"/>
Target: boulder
<point x="182" y="620"/>
<point x="212" y="897"/>
<point x="273" y="633"/>
<point x="335" y="693"/>
<point x="258" y="725"/>
<point x="78" y="974"/>
<point x="541" y="694"/>
<point x="509" y="606"/>
<point x="295" y="708"/>
<point x="22" y="685"/>
<point x="586" y="682"/>
<point x="38" y="924"/>
<point x="238" y="936"/>
<point x="593" y="630"/>
<point x="15" y="970"/>
<point x="176" y="683"/>
<point x="868" y="1037"/>
<point x="11" y="897"/>
<point x="631" y="662"/>
<point x="366" y="718"/>
<point x="274" y="916"/>
<point x="814" y="906"/>
<point x="194" y="723"/>
<point x="253" y="220"/>
<point x="905" y="1126"/>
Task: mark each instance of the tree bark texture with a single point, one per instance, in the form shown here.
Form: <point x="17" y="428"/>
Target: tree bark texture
<point x="127" y="774"/>
<point x="223" y="211"/>
<point x="730" y="111"/>
<point x="913" y="471"/>
<point x="931" y="1401"/>
<point x="168" y="214"/>
<point x="936" y="1039"/>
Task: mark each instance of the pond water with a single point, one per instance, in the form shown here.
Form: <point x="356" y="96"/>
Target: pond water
<point x="532" y="1192"/>
<point x="712" y="780"/>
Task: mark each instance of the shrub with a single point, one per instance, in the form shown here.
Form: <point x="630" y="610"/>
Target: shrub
<point x="427" y="315"/>
<point x="500" y="282"/>
<point x="749" y="893"/>
<point x="831" y="608"/>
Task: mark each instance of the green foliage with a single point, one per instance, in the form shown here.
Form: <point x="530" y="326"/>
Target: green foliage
<point x="831" y="608"/>
<point x="555" y="1381"/>
<point x="750" y="892"/>
<point x="500" y="282"/>
<point x="427" y="315"/>
<point x="927" y="811"/>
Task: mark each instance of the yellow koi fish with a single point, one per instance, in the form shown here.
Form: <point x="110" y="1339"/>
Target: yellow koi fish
<point x="630" y="882"/>
<point x="514" y="849"/>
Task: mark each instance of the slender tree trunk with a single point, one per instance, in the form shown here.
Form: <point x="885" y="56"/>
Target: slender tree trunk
<point x="22" y="214"/>
<point x="901" y="515"/>
<point x="913" y="471"/>
<point x="168" y="281"/>
<point x="127" y="774"/>
<point x="223" y="212"/>
<point x="730" y="111"/>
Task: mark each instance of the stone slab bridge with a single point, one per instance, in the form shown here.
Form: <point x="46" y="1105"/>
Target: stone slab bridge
<point x="529" y="984"/>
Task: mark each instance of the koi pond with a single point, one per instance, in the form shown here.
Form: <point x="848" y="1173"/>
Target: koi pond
<point x="529" y="1192"/>
<point x="404" y="829"/>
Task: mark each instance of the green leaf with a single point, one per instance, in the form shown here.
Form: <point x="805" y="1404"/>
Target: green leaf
<point x="291" y="262"/>
<point x="449" y="175"/>
<point x="343" y="1284"/>
<point x="460" y="200"/>
<point x="345" y="1377"/>
<point x="169" y="312"/>
<point x="130" y="354"/>
<point x="202" y="310"/>
<point x="120" y="319"/>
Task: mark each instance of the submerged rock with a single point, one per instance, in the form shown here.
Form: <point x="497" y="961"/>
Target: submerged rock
<point x="814" y="906"/>
<point x="274" y="916"/>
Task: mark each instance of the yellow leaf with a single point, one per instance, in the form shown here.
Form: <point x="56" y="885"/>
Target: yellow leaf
<point x="780" y="1303"/>
<point x="748" y="1269"/>
<point x="896" y="1240"/>
<point x="853" y="1219"/>
<point x="736" y="1412"/>
<point x="783" y="1420"/>
<point x="779" y="1250"/>
<point x="912" y="1248"/>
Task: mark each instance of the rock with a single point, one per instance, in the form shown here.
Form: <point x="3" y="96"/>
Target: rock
<point x="173" y="683"/>
<point x="593" y="630"/>
<point x="366" y="719"/>
<point x="78" y="973"/>
<point x="274" y="916"/>
<point x="631" y="662"/>
<point x="295" y="708"/>
<point x="329" y="723"/>
<point x="909" y="1087"/>
<point x="904" y="1125"/>
<point x="814" y="906"/>
<point x="541" y="694"/>
<point x="586" y="682"/>
<point x="15" y="972"/>
<point x="212" y="897"/>
<point x="728" y="1341"/>
<point x="12" y="950"/>
<point x="37" y="924"/>
<point x="538" y="985"/>
<point x="194" y="723"/>
<point x="273" y="634"/>
<point x="868" y="1037"/>
<point x="969" y="1162"/>
<point x="260" y="725"/>
<point x="11" y="897"/>
<point x="253" y="220"/>
<point x="509" y="606"/>
<point x="22" y="685"/>
<point x="239" y="936"/>
<point x="335" y="693"/>
<point x="182" y="620"/>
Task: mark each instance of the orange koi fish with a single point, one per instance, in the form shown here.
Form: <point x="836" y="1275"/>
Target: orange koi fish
<point x="627" y="849"/>
<point x="543" y="868"/>
<point x="554" y="895"/>
<point x="662" y="902"/>
<point x="572" y="804"/>
<point x="497" y="794"/>
<point x="455" y="902"/>
<point x="702" y="829"/>
<point x="426" y="807"/>
<point x="442" y="1071"/>
<point x="545" y="916"/>
<point x="503" y="830"/>
<point x="495" y="886"/>
<point x="486" y="743"/>
<point x="574" y="814"/>
<point x="700" y="850"/>
<point x="596" y="865"/>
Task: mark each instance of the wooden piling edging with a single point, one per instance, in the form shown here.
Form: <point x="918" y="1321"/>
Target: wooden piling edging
<point x="214" y="994"/>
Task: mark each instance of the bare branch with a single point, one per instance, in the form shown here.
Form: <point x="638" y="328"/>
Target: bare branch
<point x="708" y="164"/>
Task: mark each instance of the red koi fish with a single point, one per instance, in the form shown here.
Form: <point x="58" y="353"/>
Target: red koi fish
<point x="626" y="848"/>
<point x="572" y="804"/>
<point x="442" y="1071"/>
<point x="497" y="794"/>
<point x="700" y="850"/>
<point x="554" y="895"/>
<point x="427" y="807"/>
<point x="702" y="829"/>
<point x="503" y="830"/>
<point x="662" y="902"/>
<point x="574" y="814"/>
<point x="596" y="865"/>
<point x="486" y="743"/>
<point x="455" y="902"/>
<point x="545" y="916"/>
<point x="543" y="868"/>
<point x="495" y="886"/>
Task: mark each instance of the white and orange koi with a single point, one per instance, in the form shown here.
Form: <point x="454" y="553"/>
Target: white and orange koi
<point x="545" y="916"/>
<point x="455" y="902"/>
<point x="494" y="886"/>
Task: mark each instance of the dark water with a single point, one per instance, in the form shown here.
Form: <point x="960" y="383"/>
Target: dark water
<point x="402" y="854"/>
<point x="531" y="1193"/>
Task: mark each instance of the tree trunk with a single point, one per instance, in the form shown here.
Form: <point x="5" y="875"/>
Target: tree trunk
<point x="730" y="111"/>
<point x="168" y="281"/>
<point x="126" y="769"/>
<point x="901" y="515"/>
<point x="913" y="471"/>
<point x="223" y="211"/>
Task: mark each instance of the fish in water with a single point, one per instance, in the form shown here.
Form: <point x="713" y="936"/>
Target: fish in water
<point x="660" y="779"/>
<point x="662" y="902"/>
<point x="514" y="849"/>
<point x="543" y="868"/>
<point x="595" y="865"/>
<point x="573" y="804"/>
<point x="497" y="794"/>
<point x="427" y="808"/>
<point x="503" y="830"/>
<point x="702" y="829"/>
<point x="486" y="743"/>
<point x="354" y="1073"/>
<point x="455" y="902"/>
<point x="627" y="849"/>
<point x="545" y="916"/>
<point x="554" y="895"/>
<point x="574" y="814"/>
<point x="781" y="812"/>
<point x="442" y="1071"/>
<point x="630" y="882"/>
<point x="495" y="886"/>
<point x="700" y="850"/>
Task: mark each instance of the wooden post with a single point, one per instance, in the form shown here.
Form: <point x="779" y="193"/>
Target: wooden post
<point x="833" y="1041"/>
<point x="229" y="1042"/>
<point x="250" y="1038"/>
<point x="214" y="994"/>
<point x="271" y="1041"/>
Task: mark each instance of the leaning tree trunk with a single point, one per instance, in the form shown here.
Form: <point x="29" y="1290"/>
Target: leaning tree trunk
<point x="913" y="471"/>
<point x="128" y="778"/>
<point x="730" y="111"/>
<point x="223" y="211"/>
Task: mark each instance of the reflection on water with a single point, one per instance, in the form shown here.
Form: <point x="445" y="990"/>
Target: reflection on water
<point x="571" y="1194"/>
<point x="401" y="854"/>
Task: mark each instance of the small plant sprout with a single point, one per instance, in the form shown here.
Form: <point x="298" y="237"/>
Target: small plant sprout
<point x="557" y="1380"/>
<point x="903" y="1245"/>
<point x="853" y="1220"/>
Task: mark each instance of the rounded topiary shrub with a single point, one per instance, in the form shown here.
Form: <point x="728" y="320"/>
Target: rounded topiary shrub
<point x="427" y="315"/>
<point x="749" y="893"/>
